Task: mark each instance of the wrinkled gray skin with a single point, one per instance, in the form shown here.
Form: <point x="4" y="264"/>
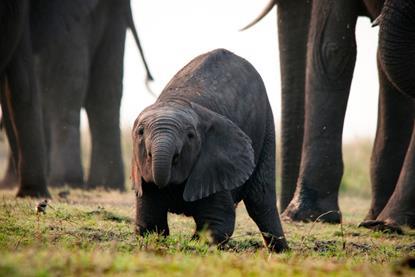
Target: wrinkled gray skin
<point x="79" y="46"/>
<point x="397" y="60"/>
<point x="206" y="144"/>
<point x="20" y="99"/>
<point x="317" y="53"/>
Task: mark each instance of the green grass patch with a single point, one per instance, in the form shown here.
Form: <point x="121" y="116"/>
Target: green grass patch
<point x="87" y="233"/>
<point x="92" y="233"/>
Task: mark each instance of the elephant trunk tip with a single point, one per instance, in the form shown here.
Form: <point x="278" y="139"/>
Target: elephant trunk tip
<point x="161" y="176"/>
<point x="161" y="182"/>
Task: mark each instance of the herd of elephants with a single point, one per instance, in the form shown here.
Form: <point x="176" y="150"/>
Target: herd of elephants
<point x="208" y="142"/>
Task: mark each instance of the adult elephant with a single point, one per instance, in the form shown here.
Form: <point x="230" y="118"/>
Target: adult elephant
<point x="20" y="99"/>
<point x="315" y="88"/>
<point x="80" y="50"/>
<point x="397" y="60"/>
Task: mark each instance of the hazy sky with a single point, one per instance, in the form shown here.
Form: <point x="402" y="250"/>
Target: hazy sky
<point x="174" y="32"/>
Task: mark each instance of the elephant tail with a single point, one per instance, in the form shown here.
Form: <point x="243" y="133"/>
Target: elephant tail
<point x="130" y="24"/>
<point x="266" y="10"/>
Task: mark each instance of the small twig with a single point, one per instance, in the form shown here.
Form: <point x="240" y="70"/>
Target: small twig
<point x="314" y="223"/>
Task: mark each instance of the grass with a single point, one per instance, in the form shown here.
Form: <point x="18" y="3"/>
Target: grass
<point x="356" y="156"/>
<point x="92" y="233"/>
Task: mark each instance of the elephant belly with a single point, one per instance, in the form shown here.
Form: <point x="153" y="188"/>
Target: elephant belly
<point x="176" y="204"/>
<point x="237" y="194"/>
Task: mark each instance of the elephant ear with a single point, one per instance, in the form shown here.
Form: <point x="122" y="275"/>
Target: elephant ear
<point x="136" y="176"/>
<point x="226" y="158"/>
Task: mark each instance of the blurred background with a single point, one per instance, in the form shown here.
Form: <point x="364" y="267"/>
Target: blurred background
<point x="174" y="32"/>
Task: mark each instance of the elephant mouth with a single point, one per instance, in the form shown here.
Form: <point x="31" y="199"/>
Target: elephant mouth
<point x="172" y="185"/>
<point x="154" y="185"/>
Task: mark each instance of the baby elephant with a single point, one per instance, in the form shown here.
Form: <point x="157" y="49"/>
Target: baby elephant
<point x="206" y="144"/>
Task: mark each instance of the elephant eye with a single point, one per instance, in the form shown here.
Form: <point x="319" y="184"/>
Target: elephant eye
<point x="190" y="135"/>
<point x="140" y="130"/>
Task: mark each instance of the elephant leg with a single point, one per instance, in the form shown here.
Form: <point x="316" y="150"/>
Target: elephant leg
<point x="260" y="196"/>
<point x="215" y="214"/>
<point x="400" y="209"/>
<point x="10" y="177"/>
<point x="64" y="81"/>
<point x="393" y="134"/>
<point x="23" y="120"/>
<point x="151" y="212"/>
<point x="47" y="133"/>
<point x="13" y="160"/>
<point x="293" y="22"/>
<point x="102" y="105"/>
<point x="330" y="63"/>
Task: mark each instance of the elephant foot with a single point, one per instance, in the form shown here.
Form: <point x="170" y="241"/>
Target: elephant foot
<point x="71" y="184"/>
<point x="109" y="178"/>
<point x="376" y="207"/>
<point x="144" y="231"/>
<point x="296" y="213"/>
<point x="306" y="206"/>
<point x="391" y="220"/>
<point x="67" y="173"/>
<point x="399" y="210"/>
<point x="33" y="191"/>
<point x="382" y="226"/>
<point x="371" y="215"/>
<point x="107" y="186"/>
<point x="76" y="183"/>
<point x="276" y="244"/>
<point x="106" y="173"/>
<point x="212" y="238"/>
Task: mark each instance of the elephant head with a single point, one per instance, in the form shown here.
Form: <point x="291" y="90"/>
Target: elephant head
<point x="190" y="144"/>
<point x="397" y="44"/>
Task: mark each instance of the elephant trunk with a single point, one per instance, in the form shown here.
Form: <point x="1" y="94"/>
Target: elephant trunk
<point x="397" y="44"/>
<point x="162" y="151"/>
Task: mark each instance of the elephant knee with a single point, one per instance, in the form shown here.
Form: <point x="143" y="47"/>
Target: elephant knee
<point x="335" y="61"/>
